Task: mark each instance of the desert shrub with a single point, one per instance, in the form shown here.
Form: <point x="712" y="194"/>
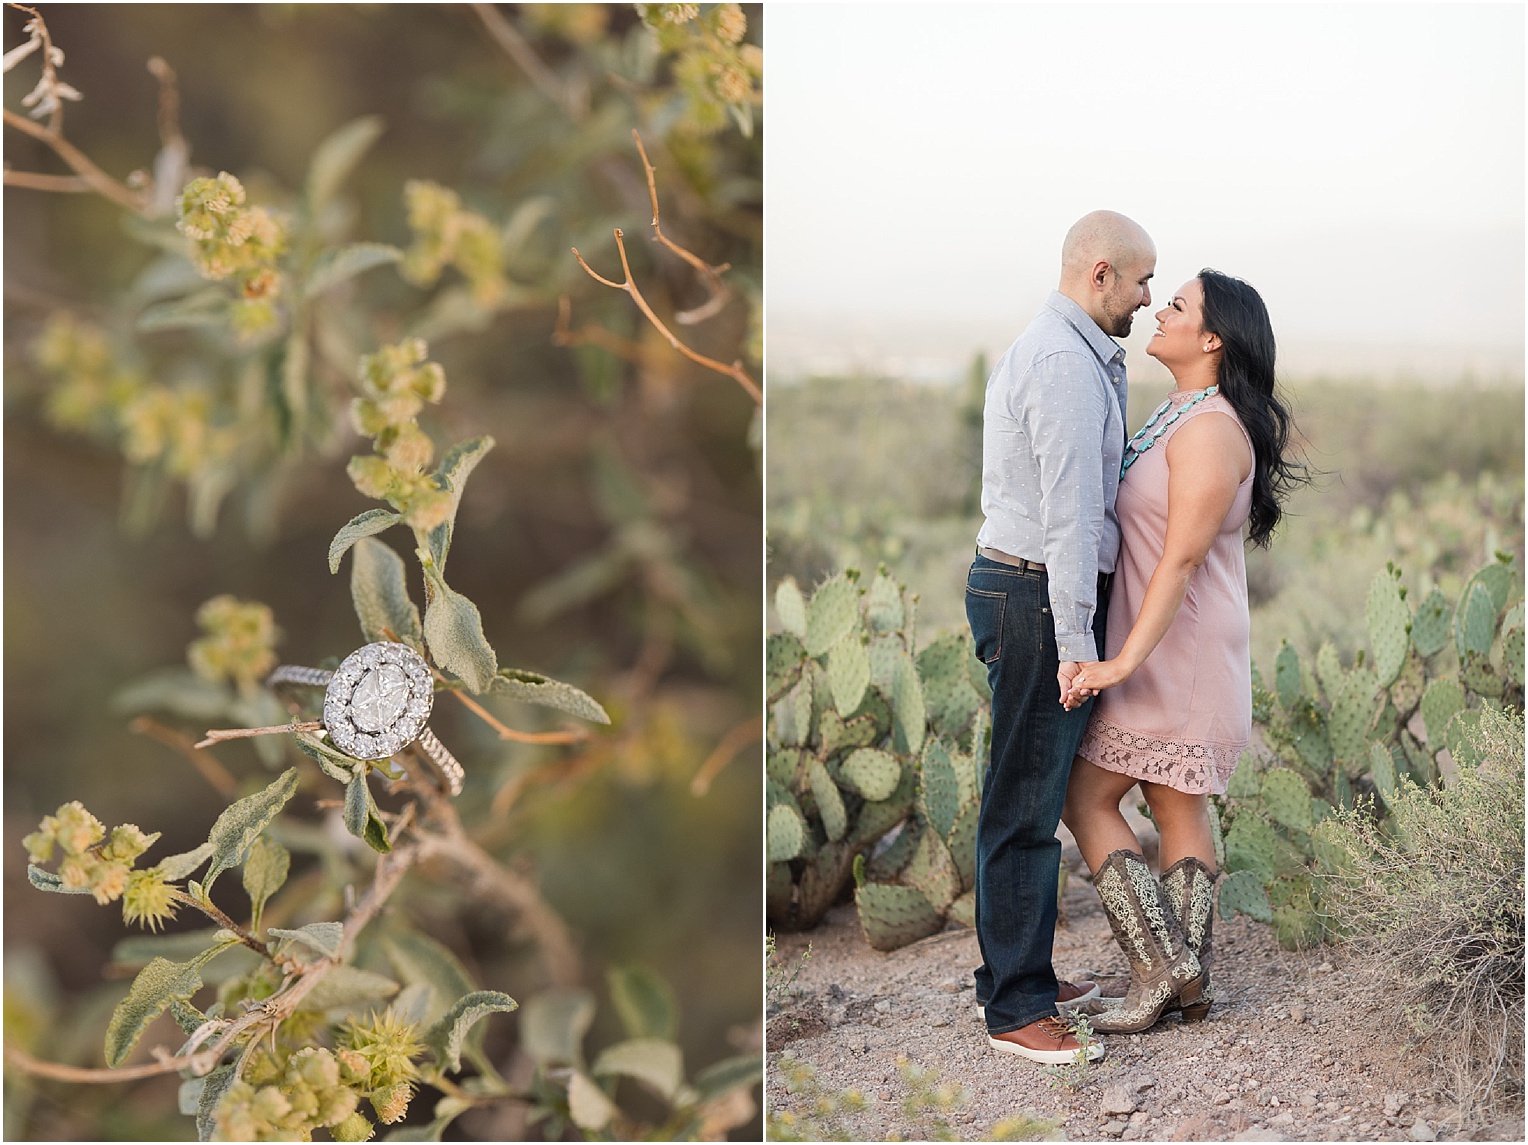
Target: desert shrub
<point x="1433" y="896"/>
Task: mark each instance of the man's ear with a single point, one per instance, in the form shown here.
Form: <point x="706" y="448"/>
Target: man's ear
<point x="1101" y="272"/>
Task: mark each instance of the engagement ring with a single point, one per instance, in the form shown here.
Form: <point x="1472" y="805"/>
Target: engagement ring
<point x="376" y="704"/>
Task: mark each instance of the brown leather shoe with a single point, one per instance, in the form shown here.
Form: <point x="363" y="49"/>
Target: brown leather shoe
<point x="1048" y="1041"/>
<point x="1069" y="995"/>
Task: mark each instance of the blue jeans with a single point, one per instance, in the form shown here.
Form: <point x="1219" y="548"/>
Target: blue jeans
<point x="1034" y="740"/>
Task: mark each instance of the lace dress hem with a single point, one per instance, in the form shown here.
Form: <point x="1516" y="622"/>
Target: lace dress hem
<point x="1195" y="767"/>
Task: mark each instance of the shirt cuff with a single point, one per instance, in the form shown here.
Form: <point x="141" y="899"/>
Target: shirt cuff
<point x="1079" y="647"/>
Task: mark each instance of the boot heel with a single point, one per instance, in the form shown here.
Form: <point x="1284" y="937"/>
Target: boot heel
<point x="1196" y="1011"/>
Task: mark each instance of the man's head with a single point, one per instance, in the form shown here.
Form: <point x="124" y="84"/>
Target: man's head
<point x="1107" y="262"/>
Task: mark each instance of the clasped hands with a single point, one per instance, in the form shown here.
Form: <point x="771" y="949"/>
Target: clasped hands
<point x="1080" y="682"/>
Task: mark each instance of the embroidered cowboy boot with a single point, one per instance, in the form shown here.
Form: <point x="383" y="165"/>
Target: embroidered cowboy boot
<point x="1188" y="891"/>
<point x="1163" y="969"/>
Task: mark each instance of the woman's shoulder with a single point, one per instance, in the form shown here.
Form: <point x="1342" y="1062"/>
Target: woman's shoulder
<point x="1213" y="424"/>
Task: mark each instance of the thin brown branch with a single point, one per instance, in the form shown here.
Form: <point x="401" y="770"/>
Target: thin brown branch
<point x="718" y="291"/>
<point x="734" y="371"/>
<point x="570" y="735"/>
<point x="53" y="1071"/>
<point x="35" y="181"/>
<point x="217" y="916"/>
<point x="589" y="333"/>
<point x="508" y="37"/>
<point x="169" y="103"/>
<point x="731" y="743"/>
<point x="217" y="735"/>
<point x="102" y="183"/>
<point x="204" y="761"/>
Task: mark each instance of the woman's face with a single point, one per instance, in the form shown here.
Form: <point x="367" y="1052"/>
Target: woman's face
<point x="1180" y="338"/>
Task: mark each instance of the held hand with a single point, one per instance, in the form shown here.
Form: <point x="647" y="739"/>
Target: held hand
<point x="1066" y="673"/>
<point x="1090" y="679"/>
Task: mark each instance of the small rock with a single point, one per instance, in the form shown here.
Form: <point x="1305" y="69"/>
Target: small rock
<point x="1142" y="1083"/>
<point x="883" y="1006"/>
<point x="1308" y="1101"/>
<point x="1395" y="1102"/>
<point x="949" y="988"/>
<point x="836" y="993"/>
<point x="1133" y="1132"/>
<point x="1221" y="1097"/>
<point x="1118" y="1099"/>
<point x="1113" y="1128"/>
<point x="1258" y="1135"/>
<point x="836" y="1015"/>
<point x="938" y="1023"/>
<point x="1297" y="1015"/>
<point x="884" y="1095"/>
<point x="1236" y="1103"/>
<point x="1324" y="968"/>
<point x="1283" y="1120"/>
<point x="1421" y="1131"/>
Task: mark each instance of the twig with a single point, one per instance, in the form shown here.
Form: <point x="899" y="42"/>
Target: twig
<point x="217" y="735"/>
<point x="565" y="335"/>
<point x="734" y="371"/>
<point x="205" y="763"/>
<point x="570" y="735"/>
<point x="720" y="292"/>
<point x="508" y="37"/>
<point x="100" y="181"/>
<point x="26" y="1063"/>
<point x="217" y="916"/>
<point x="35" y="181"/>
<point x="733" y="742"/>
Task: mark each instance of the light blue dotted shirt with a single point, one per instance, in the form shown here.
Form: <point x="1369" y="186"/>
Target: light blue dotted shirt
<point x="1053" y="436"/>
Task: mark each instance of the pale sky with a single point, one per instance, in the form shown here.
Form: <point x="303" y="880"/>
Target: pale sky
<point x="1362" y="165"/>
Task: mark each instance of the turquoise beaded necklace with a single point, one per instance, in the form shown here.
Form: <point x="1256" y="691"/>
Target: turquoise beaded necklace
<point x="1144" y="438"/>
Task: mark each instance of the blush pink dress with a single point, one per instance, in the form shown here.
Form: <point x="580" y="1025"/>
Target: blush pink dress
<point x="1185" y="717"/>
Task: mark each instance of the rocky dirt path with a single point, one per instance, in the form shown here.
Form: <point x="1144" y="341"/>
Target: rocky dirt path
<point x="1297" y="1048"/>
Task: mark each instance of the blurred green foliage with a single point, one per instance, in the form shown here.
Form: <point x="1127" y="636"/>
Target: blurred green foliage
<point x="481" y="143"/>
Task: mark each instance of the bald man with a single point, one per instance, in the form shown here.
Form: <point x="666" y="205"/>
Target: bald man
<point x="1053" y="436"/>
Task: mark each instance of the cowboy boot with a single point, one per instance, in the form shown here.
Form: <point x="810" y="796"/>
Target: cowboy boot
<point x="1162" y="967"/>
<point x="1188" y="891"/>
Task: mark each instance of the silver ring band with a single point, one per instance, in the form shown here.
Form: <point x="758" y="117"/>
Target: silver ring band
<point x="376" y="704"/>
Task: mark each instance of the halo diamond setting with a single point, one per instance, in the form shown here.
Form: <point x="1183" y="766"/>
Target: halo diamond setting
<point x="378" y="700"/>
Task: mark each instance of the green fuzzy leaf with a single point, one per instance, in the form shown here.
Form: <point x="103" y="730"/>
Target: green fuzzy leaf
<point x="238" y="827"/>
<point x="830" y="805"/>
<point x="151" y="992"/>
<point x="345" y="986"/>
<point x="214" y="1086"/>
<point x="264" y="873"/>
<point x="335" y="765"/>
<point x="656" y="1064"/>
<point x="336" y="156"/>
<point x="448" y="1035"/>
<point x="721" y="1078"/>
<point x="453" y="629"/>
<point x="379" y="591"/>
<point x="361" y="816"/>
<point x="588" y="1106"/>
<point x="848" y="674"/>
<point x="341" y="264"/>
<point x="790" y="607"/>
<point x="366" y="524"/>
<point x="645" y="1002"/>
<point x="831" y="615"/>
<point x="324" y="937"/>
<point x="179" y="691"/>
<point x="420" y="960"/>
<point x="553" y="1024"/>
<point x="48" y="881"/>
<point x="207" y="307"/>
<point x="534" y="688"/>
<point x="786" y="833"/>
<point x="451" y="475"/>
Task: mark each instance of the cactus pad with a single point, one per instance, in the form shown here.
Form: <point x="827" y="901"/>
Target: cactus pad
<point x="1479" y="677"/>
<point x="1459" y="738"/>
<point x="786" y="833"/>
<point x="962" y="841"/>
<point x="873" y="773"/>
<point x="890" y="861"/>
<point x="832" y="614"/>
<point x="1512" y="654"/>
<point x="781" y="764"/>
<point x="1419" y="761"/>
<point x="1242" y="892"/>
<point x="1245" y="781"/>
<point x="1329" y="669"/>
<point x="1353" y="712"/>
<point x="1286" y="799"/>
<point x="893" y="916"/>
<point x="884" y="651"/>
<point x="878" y="816"/>
<point x="909" y="716"/>
<point x="830" y="804"/>
<point x="883" y="604"/>
<point x="1496" y="578"/>
<point x="1388" y="618"/>
<point x="848" y="673"/>
<point x="1382" y="770"/>
<point x="939" y="791"/>
<point x="1406" y="691"/>
<point x="965" y="778"/>
<point x="1286" y="676"/>
<point x="1308" y="727"/>
<point x="933" y="872"/>
<point x="947" y="689"/>
<point x="790" y="607"/>
<point x="1475" y="621"/>
<point x="1431" y="623"/>
<point x="777" y="890"/>
<point x="836" y="734"/>
<point x="875" y="708"/>
<point x="1252" y="845"/>
<point x="793" y="714"/>
<point x="963" y="910"/>
<point x="783" y="658"/>
<point x="1439" y="703"/>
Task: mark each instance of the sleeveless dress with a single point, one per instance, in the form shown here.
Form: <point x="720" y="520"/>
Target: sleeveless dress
<point x="1185" y="717"/>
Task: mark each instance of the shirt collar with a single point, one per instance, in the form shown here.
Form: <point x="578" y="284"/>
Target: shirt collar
<point x="1107" y="349"/>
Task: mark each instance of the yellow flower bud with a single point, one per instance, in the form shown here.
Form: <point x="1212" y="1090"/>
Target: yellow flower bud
<point x="356" y="1127"/>
<point x="372" y="476"/>
<point x="147" y="900"/>
<point x="76" y="829"/>
<point x="392" y="1103"/>
<point x="109" y="881"/>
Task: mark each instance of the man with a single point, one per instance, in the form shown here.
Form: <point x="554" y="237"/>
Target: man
<point x="1053" y="435"/>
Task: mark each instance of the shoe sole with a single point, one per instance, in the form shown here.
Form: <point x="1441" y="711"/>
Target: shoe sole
<point x="1045" y="1057"/>
<point x="1064" y="1007"/>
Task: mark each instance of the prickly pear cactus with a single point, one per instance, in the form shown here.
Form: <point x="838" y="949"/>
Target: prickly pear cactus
<point x="1400" y="712"/>
<point x="871" y="760"/>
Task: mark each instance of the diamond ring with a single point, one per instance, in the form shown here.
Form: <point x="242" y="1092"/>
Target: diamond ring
<point x="376" y="704"/>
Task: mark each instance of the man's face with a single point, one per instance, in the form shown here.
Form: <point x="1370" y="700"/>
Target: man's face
<point x="1128" y="291"/>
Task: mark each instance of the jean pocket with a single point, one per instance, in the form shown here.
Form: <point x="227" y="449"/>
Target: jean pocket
<point x="984" y="611"/>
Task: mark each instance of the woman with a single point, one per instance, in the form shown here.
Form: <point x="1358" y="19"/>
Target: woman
<point x="1174" y="708"/>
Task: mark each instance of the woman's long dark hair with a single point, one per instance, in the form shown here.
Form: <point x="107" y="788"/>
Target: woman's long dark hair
<point x="1235" y="312"/>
